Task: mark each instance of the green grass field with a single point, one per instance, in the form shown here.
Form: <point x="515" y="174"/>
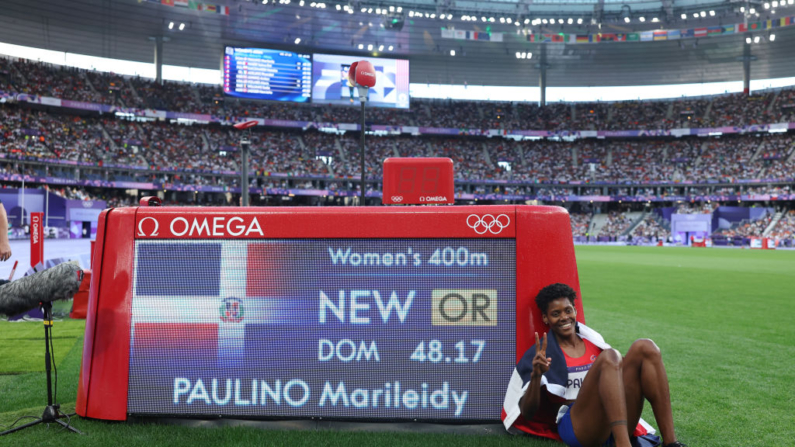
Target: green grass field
<point x="721" y="317"/>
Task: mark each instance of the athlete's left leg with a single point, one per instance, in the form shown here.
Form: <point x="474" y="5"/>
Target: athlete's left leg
<point x="645" y="377"/>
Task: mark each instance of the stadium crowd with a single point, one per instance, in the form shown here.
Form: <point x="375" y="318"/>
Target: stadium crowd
<point x="211" y="148"/>
<point x="650" y="228"/>
<point x="785" y="227"/>
<point x="617" y="223"/>
<point x="24" y="76"/>
<point x="191" y="154"/>
<point x="580" y="223"/>
<point x="747" y="228"/>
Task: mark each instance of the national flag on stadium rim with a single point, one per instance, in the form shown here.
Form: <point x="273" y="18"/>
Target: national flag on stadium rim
<point x="633" y="37"/>
<point x="728" y="29"/>
<point x="210" y="8"/>
<point x="687" y="33"/>
<point x="755" y="26"/>
<point x="700" y="32"/>
<point x="621" y="37"/>
<point x="557" y="37"/>
<point x="768" y="24"/>
<point x="572" y="38"/>
<point x="787" y="21"/>
<point x="182" y="3"/>
<point x="582" y="38"/>
<point x="674" y="34"/>
<point x="742" y="27"/>
<point x="646" y="36"/>
<point x="594" y="38"/>
<point x="546" y="38"/>
<point x="531" y="37"/>
<point x="194" y="5"/>
<point x="167" y="2"/>
<point x="774" y="23"/>
<point x="661" y="35"/>
<point x="714" y="31"/>
<point x="607" y="37"/>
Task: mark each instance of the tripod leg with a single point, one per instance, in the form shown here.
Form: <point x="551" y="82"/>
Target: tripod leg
<point x="21" y="427"/>
<point x="67" y="426"/>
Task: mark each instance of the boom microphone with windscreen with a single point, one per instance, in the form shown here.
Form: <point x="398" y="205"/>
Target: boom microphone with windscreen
<point x="56" y="283"/>
<point x="362" y="76"/>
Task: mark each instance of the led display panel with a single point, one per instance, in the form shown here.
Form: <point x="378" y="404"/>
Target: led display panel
<point x="373" y="329"/>
<point x="330" y="81"/>
<point x="258" y="73"/>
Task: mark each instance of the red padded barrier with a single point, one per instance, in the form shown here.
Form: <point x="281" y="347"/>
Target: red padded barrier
<point x="106" y="355"/>
<point x="80" y="301"/>
<point x="544" y="256"/>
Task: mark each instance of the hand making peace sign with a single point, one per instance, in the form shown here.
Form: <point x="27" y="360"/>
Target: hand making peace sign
<point x="541" y="361"/>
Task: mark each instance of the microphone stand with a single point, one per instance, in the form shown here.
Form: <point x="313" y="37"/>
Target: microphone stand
<point x="245" y="144"/>
<point x="362" y="184"/>
<point x="52" y="412"/>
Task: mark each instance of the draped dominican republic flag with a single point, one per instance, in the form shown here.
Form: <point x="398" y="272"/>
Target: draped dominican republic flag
<point x="554" y="382"/>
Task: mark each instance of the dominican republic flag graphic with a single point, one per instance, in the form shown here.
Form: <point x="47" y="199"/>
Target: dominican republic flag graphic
<point x="348" y="328"/>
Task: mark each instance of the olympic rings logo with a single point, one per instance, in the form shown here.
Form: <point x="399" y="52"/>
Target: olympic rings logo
<point x="488" y="222"/>
<point x="397" y="199"/>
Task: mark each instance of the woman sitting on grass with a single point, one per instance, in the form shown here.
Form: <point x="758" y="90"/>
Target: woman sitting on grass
<point x="575" y="364"/>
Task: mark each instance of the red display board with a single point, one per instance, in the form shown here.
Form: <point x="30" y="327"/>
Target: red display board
<point x="186" y="305"/>
<point x="418" y="181"/>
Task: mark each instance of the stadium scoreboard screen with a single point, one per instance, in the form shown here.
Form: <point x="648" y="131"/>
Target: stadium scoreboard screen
<point x="257" y="73"/>
<point x="385" y="314"/>
<point x="353" y="328"/>
<point x="330" y="81"/>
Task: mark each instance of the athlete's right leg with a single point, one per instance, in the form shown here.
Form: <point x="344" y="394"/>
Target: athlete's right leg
<point x="600" y="409"/>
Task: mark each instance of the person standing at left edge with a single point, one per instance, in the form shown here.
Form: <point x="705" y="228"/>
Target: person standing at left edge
<point x="5" y="247"/>
<point x="573" y="386"/>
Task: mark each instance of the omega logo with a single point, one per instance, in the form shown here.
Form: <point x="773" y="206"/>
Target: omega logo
<point x="141" y="225"/>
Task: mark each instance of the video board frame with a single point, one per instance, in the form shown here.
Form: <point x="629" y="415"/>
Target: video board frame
<point x="542" y="239"/>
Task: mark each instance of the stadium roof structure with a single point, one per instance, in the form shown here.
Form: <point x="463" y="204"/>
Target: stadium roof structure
<point x="487" y="37"/>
